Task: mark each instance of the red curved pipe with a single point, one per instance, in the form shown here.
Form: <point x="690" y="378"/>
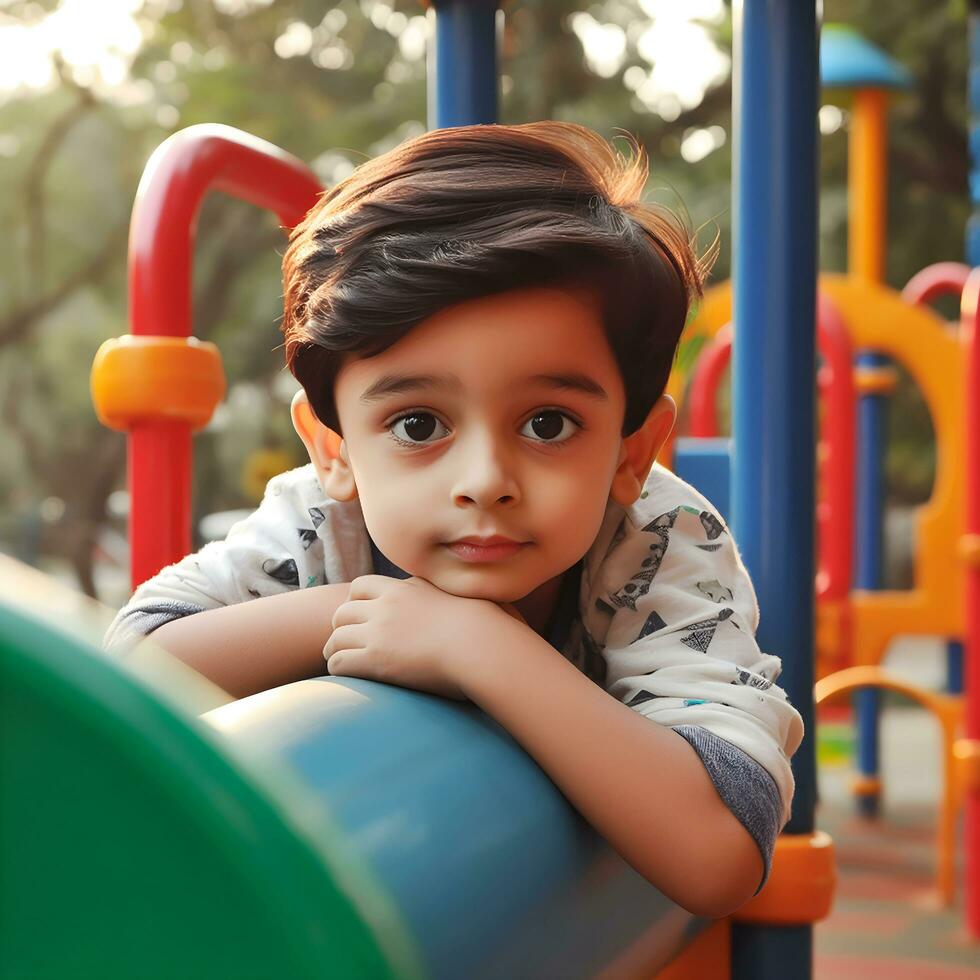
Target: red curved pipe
<point x="939" y="279"/>
<point x="705" y="382"/>
<point x="177" y="177"/>
<point x="970" y="327"/>
<point x="835" y="512"/>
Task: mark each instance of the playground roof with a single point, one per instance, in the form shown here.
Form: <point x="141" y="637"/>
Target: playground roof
<point x="848" y="61"/>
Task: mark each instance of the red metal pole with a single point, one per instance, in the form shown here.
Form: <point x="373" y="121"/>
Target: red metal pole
<point x="970" y="310"/>
<point x="161" y="239"/>
<point x="836" y="383"/>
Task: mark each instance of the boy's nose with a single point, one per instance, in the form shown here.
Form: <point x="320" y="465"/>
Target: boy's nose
<point x="486" y="476"/>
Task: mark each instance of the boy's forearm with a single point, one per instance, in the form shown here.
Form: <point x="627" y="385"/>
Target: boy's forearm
<point x="253" y="646"/>
<point x="640" y="785"/>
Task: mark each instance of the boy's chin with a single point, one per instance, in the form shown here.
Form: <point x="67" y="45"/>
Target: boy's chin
<point x="491" y="591"/>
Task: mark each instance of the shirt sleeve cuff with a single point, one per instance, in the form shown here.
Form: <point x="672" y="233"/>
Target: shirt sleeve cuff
<point x="744" y="786"/>
<point x="133" y="624"/>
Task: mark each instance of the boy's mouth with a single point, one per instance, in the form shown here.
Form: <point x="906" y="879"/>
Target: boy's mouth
<point x="472" y="550"/>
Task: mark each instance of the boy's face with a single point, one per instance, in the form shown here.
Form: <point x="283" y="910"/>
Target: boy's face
<point x="490" y="447"/>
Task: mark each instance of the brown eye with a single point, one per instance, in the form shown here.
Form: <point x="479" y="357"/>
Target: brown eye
<point x="416" y="428"/>
<point x="549" y="424"/>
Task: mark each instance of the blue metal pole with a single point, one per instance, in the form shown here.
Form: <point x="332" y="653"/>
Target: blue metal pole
<point x="954" y="667"/>
<point x="868" y="573"/>
<point x="774" y="379"/>
<point x="973" y="102"/>
<point x="463" y="64"/>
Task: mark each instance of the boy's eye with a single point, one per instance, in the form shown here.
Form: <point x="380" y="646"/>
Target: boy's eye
<point x="416" y="428"/>
<point x="550" y="426"/>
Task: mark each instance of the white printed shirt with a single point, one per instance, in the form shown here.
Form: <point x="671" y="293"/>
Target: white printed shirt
<point x="665" y="619"/>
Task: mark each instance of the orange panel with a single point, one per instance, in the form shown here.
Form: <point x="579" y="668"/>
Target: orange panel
<point x="879" y="320"/>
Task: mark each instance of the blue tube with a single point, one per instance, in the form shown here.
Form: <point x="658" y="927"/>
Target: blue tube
<point x="773" y="383"/>
<point x="868" y="573"/>
<point x="463" y="63"/>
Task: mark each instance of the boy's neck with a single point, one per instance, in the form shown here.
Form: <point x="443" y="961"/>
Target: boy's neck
<point x="537" y="607"/>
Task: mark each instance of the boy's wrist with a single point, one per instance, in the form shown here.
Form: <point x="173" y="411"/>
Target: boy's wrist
<point x="489" y="649"/>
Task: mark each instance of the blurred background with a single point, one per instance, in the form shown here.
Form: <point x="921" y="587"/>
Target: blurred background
<point x="89" y="89"/>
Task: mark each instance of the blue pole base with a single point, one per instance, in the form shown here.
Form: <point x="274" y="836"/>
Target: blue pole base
<point x="760" y="952"/>
<point x="868" y="807"/>
<point x="867" y="706"/>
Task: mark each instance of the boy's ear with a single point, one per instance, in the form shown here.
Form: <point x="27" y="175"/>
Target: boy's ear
<point x="327" y="450"/>
<point x="640" y="450"/>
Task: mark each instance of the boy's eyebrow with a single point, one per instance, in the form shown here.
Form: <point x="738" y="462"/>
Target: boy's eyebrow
<point x="396" y="384"/>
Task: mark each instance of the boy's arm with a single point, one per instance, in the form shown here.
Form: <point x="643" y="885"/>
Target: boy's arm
<point x="668" y="627"/>
<point x="641" y="785"/>
<point x="256" y="645"/>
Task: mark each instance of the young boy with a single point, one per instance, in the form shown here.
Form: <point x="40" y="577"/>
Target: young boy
<point x="483" y="321"/>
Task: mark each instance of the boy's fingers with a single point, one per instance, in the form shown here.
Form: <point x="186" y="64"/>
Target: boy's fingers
<point x="351" y="612"/>
<point x="344" y="638"/>
<point x="349" y="663"/>
<point x="368" y="586"/>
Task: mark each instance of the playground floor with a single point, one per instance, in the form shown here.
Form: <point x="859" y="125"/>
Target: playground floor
<point x="887" y="922"/>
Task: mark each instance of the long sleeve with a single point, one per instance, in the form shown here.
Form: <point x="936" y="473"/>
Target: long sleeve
<point x="296" y="538"/>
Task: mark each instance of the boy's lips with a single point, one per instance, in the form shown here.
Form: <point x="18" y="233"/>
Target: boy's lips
<point x="486" y="542"/>
<point x="475" y="549"/>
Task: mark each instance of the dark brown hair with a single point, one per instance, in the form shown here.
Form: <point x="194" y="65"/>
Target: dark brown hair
<point x="462" y="213"/>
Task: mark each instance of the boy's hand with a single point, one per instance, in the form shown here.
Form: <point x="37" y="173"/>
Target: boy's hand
<point x="410" y="633"/>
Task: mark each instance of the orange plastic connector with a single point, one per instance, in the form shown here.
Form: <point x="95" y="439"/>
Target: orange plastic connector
<point x="801" y="886"/>
<point x="866" y="785"/>
<point x="969" y="549"/>
<point x="139" y="379"/>
<point x="966" y="753"/>
<point x="875" y="380"/>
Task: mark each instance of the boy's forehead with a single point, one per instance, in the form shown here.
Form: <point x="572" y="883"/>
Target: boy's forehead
<point x="523" y="330"/>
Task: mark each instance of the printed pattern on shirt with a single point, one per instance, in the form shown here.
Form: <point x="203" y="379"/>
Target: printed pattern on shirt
<point x="672" y="612"/>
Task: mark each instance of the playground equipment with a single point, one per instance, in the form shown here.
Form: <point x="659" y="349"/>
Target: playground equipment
<point x="181" y="380"/>
<point x="857" y="627"/>
<point x="959" y="721"/>
<point x="335" y="827"/>
<point x="835" y="515"/>
<point x="77" y="700"/>
<point x="877" y="319"/>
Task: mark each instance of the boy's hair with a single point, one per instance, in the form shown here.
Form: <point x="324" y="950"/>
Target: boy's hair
<point x="462" y="213"/>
